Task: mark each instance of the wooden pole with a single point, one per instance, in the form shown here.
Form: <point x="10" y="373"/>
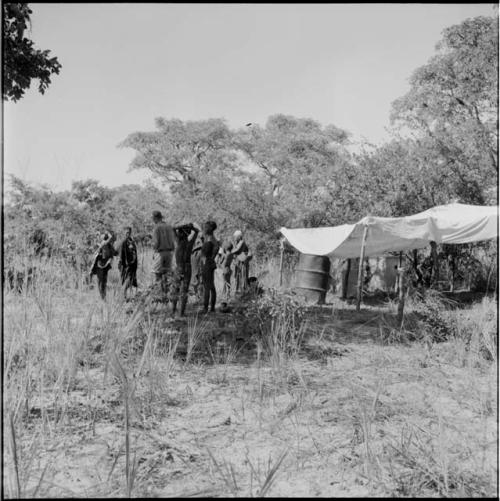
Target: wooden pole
<point x="282" y="248"/>
<point x="435" y="264"/>
<point x="345" y="278"/>
<point x="401" y="287"/>
<point x="360" y="269"/>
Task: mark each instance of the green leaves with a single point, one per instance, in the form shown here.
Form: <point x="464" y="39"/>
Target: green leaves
<point x="22" y="62"/>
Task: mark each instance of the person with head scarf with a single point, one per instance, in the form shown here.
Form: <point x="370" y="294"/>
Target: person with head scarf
<point x="241" y="262"/>
<point x="163" y="244"/>
<point x="186" y="236"/>
<point x="209" y="251"/>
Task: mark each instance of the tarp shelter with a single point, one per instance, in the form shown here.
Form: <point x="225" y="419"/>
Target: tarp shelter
<point x="374" y="236"/>
<point x="445" y="224"/>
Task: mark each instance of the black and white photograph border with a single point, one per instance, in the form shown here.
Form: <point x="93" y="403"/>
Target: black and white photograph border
<point x="250" y="250"/>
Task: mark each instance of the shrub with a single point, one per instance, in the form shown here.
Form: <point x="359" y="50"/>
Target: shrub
<point x="276" y="318"/>
<point x="478" y="329"/>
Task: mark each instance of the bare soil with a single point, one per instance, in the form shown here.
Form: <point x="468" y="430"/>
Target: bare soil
<point x="350" y="416"/>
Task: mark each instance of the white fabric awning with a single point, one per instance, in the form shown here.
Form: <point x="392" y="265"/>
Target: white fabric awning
<point x="452" y="224"/>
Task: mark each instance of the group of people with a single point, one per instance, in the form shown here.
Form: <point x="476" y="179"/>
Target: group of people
<point x="180" y="254"/>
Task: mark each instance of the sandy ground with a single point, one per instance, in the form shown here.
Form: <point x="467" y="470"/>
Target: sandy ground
<point x="349" y="417"/>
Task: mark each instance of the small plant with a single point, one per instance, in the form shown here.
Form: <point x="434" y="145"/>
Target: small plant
<point x="196" y="328"/>
<point x="276" y="321"/>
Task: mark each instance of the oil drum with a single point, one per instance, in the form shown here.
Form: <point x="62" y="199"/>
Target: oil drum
<point x="312" y="277"/>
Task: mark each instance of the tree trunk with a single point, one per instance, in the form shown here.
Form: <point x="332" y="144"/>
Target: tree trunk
<point x="453" y="265"/>
<point x="401" y="295"/>
<point x="282" y="248"/>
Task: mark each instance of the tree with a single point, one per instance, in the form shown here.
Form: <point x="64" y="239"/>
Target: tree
<point x="180" y="153"/>
<point x="452" y="106"/>
<point x="400" y="178"/>
<point x="91" y="193"/>
<point x="300" y="162"/>
<point x="22" y="61"/>
<point x="256" y="179"/>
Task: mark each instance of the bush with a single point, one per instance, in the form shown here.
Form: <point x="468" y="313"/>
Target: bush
<point x="478" y="329"/>
<point x="428" y="320"/>
<point x="276" y="319"/>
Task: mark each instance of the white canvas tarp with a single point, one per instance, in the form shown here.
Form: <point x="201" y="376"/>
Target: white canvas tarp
<point x="453" y="223"/>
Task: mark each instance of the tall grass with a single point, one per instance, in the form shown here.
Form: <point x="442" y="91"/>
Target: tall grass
<point x="54" y="333"/>
<point x="54" y="330"/>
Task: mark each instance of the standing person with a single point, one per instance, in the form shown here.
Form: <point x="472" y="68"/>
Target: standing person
<point x="127" y="261"/>
<point x="225" y="260"/>
<point x="163" y="243"/>
<point x="209" y="250"/>
<point x="197" y="268"/>
<point x="186" y="237"/>
<point x="102" y="261"/>
<point x="242" y="259"/>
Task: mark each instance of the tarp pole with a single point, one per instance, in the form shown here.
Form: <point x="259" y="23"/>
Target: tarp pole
<point x="401" y="292"/>
<point x="345" y="277"/>
<point x="435" y="264"/>
<point x="282" y="248"/>
<point x="360" y="269"/>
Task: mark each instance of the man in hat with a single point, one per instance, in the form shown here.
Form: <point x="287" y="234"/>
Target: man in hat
<point x="163" y="243"/>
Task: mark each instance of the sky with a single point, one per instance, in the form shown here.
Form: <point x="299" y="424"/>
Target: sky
<point x="123" y="65"/>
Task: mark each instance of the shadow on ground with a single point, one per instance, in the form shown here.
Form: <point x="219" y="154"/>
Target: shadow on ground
<point x="328" y="330"/>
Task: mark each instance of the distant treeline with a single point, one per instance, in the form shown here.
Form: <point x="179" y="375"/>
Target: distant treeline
<point x="296" y="172"/>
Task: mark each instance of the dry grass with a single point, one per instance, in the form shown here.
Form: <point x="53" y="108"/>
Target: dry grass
<point x="118" y="399"/>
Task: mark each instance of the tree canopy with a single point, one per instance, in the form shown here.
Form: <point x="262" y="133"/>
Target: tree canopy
<point x="22" y="61"/>
<point x="452" y="107"/>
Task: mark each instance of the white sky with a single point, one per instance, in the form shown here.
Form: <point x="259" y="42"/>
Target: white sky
<point x="123" y="65"/>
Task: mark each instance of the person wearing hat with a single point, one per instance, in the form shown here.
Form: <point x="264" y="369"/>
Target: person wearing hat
<point x="241" y="263"/>
<point x="163" y="243"/>
<point x="186" y="236"/>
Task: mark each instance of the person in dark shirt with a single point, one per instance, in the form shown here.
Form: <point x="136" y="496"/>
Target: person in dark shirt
<point x="127" y="261"/>
<point x="102" y="262"/>
<point x="186" y="237"/>
<point x="209" y="251"/>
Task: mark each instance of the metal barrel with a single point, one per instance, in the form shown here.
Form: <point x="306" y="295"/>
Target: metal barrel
<point x="312" y="277"/>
